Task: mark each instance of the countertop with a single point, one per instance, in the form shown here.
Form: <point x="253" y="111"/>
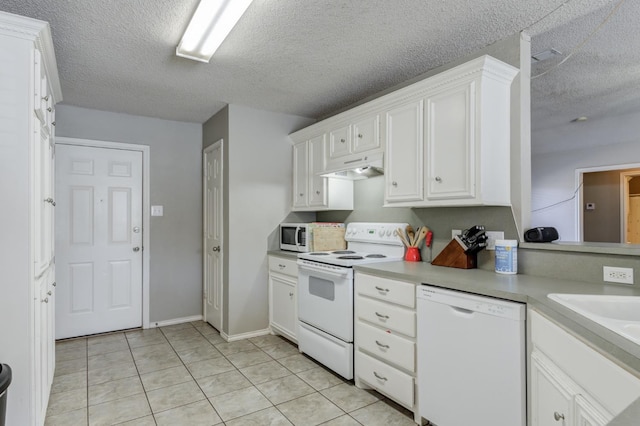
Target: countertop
<point x="533" y="291"/>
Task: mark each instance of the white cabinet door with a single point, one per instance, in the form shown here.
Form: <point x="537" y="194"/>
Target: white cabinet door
<point x="551" y="395"/>
<point x="450" y="136"/>
<point x="404" y="147"/>
<point x="282" y="306"/>
<point x="588" y="413"/>
<point x="340" y="142"/>
<point x="300" y="175"/>
<point x="317" y="161"/>
<point x="366" y="134"/>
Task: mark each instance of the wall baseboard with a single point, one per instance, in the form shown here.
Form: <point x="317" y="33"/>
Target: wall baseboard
<point x="243" y="336"/>
<point x="154" y="324"/>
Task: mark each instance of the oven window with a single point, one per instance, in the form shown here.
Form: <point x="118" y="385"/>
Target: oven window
<point x="322" y="288"/>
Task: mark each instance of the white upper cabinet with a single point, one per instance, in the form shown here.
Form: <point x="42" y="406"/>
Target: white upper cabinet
<point x="446" y="139"/>
<point x="403" y="132"/>
<point x="366" y="134"/>
<point x="300" y="175"/>
<point x="317" y="183"/>
<point x="451" y="143"/>
<point x="465" y="159"/>
<point x="340" y="142"/>
<point x="362" y="135"/>
<point x="311" y="190"/>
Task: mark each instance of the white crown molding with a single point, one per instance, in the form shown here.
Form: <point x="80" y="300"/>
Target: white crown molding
<point x="40" y="33"/>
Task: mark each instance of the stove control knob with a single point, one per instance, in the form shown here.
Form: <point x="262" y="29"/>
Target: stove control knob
<point x="381" y="233"/>
<point x="389" y="231"/>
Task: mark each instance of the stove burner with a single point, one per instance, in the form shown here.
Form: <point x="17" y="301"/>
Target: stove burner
<point x="343" y="252"/>
<point x="319" y="254"/>
<point x="376" y="256"/>
<point x="350" y="257"/>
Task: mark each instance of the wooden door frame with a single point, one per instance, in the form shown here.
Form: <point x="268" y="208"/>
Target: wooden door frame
<point x="624" y="201"/>
<point x="204" y="236"/>
<point x="580" y="195"/>
<point x="146" y="210"/>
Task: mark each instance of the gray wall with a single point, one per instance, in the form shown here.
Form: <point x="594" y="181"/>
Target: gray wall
<point x="176" y="183"/>
<point x="603" y="223"/>
<point x="369" y="197"/>
<point x="258" y="196"/>
<point x="214" y="129"/>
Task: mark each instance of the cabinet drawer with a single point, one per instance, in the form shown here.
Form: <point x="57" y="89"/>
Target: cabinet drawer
<point x="384" y="289"/>
<point x="386" y="315"/>
<point x="283" y="266"/>
<point x="384" y="378"/>
<point x="394" y="349"/>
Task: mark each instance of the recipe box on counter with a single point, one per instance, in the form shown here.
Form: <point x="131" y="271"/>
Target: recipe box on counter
<point x="327" y="236"/>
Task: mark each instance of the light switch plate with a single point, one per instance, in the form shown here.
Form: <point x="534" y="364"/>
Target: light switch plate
<point x="157" y="211"/>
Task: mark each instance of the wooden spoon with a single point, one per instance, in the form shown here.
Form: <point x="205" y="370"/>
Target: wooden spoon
<point x="422" y="232"/>
<point x="400" y="233"/>
<point x="411" y="235"/>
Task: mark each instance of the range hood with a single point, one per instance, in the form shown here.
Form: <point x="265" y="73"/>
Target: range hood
<point x="361" y="167"/>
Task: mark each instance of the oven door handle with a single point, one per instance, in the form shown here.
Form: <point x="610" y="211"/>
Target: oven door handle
<point x="308" y="268"/>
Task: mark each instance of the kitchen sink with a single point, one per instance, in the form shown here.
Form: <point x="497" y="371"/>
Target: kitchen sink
<point x="620" y="314"/>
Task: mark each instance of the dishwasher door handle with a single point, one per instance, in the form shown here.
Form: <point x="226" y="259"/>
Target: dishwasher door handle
<point x="462" y="311"/>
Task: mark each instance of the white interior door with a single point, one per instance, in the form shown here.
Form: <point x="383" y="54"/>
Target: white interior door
<point x="98" y="240"/>
<point x="212" y="222"/>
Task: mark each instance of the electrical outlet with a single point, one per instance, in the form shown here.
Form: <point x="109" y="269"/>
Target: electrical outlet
<point x="455" y="232"/>
<point x="492" y="236"/>
<point x="618" y="275"/>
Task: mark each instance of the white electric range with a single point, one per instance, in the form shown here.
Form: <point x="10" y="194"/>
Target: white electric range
<point x="325" y="291"/>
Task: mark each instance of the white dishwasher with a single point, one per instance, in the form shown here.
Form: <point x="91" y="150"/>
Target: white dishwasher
<point x="471" y="359"/>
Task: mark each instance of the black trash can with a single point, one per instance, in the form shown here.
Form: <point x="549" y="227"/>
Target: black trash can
<point x="5" y="381"/>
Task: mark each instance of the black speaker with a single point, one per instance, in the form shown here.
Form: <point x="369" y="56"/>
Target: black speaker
<point x="543" y="234"/>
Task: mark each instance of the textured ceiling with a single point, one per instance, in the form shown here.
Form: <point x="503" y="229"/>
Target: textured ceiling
<point x="313" y="58"/>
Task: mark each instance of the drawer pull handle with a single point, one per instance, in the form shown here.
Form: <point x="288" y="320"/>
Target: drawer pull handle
<point x="379" y="377"/>
<point x="382" y="345"/>
<point x="556" y="416"/>
<point x="382" y="316"/>
<point x="386" y="290"/>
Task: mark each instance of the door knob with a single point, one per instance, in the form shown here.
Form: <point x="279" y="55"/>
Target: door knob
<point x="136" y="249"/>
<point x="217" y="248"/>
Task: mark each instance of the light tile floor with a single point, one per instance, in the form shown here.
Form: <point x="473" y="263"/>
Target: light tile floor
<point x="186" y="374"/>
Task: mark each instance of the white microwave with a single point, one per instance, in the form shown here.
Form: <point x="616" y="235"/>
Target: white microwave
<point x="295" y="237"/>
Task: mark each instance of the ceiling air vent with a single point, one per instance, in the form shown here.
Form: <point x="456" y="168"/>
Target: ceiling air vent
<point x="545" y="55"/>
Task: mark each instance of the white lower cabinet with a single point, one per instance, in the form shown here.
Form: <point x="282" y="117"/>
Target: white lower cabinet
<point x="572" y="384"/>
<point x="283" y="302"/>
<point x="385" y="338"/>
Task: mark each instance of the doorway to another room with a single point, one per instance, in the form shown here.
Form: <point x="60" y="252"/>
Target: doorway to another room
<point x="609" y="205"/>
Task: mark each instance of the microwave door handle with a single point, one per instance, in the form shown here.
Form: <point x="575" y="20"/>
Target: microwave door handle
<point x="298" y="232"/>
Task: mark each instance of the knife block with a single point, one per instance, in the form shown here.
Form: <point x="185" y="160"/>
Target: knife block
<point x="454" y="256"/>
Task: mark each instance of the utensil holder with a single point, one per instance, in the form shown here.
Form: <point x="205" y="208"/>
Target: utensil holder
<point x="412" y="254"/>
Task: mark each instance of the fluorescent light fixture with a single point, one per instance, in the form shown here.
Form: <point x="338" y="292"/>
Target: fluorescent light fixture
<point x="209" y="26"/>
